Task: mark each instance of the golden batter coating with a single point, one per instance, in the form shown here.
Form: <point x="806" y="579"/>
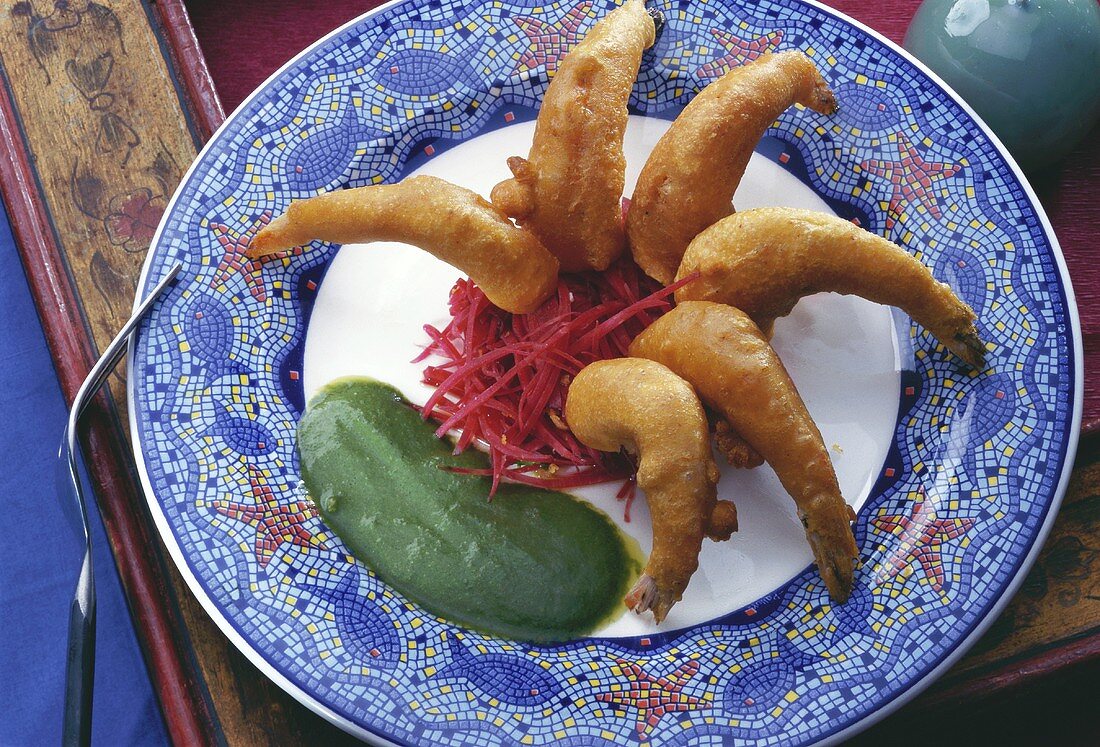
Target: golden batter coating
<point x="719" y="351"/>
<point x="569" y="187"/>
<point x="689" y="180"/>
<point x="456" y="225"/>
<point x="643" y="407"/>
<point x="762" y="261"/>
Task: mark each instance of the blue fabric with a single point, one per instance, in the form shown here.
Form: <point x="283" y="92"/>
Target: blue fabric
<point x="40" y="552"/>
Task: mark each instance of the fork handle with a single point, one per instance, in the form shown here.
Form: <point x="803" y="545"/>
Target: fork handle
<point x="80" y="663"/>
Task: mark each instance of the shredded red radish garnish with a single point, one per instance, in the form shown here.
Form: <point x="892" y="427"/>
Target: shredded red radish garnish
<point x="504" y="377"/>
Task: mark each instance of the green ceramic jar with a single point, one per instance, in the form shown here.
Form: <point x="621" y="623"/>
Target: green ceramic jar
<point x="1030" y="68"/>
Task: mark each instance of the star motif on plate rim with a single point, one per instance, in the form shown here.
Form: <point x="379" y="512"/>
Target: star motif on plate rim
<point x="549" y="42"/>
<point x="275" y="522"/>
<point x="738" y="51"/>
<point x="920" y="535"/>
<point x="911" y="179"/>
<point x="235" y="260"/>
<point x="652" y="697"/>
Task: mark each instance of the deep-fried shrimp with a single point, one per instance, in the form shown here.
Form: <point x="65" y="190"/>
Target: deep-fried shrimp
<point x="456" y="225"/>
<point x="643" y="407"/>
<point x="762" y="261"/>
<point x="719" y="351"/>
<point x="691" y="175"/>
<point x="569" y="187"/>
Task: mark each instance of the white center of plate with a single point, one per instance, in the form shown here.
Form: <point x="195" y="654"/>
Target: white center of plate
<point x="841" y="352"/>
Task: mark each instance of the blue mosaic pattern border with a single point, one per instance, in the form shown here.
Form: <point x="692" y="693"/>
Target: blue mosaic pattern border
<point x="966" y="486"/>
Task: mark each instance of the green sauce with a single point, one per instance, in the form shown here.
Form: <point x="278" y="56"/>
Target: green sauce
<point x="531" y="564"/>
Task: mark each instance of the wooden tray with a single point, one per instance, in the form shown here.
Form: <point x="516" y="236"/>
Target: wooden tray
<point x="101" y="110"/>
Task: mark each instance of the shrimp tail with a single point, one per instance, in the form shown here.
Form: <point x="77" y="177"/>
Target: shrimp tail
<point x="278" y="235"/>
<point x="968" y="346"/>
<point x="821" y="98"/>
<point x="827" y="520"/>
<point x="646" y="596"/>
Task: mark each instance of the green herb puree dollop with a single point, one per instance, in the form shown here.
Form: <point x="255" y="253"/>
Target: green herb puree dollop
<point x="532" y="564"/>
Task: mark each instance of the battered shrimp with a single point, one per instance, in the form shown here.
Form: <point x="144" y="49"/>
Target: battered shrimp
<point x="569" y="187"/>
<point x="693" y="171"/>
<point x="720" y="352"/>
<point x="643" y="407"/>
<point x="762" y="261"/>
<point x="456" y="225"/>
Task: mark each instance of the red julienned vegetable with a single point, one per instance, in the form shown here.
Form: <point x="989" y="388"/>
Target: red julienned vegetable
<point x="503" y="377"/>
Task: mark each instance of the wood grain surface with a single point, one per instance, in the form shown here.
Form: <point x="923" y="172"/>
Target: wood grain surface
<point x="102" y="107"/>
<point x="108" y="147"/>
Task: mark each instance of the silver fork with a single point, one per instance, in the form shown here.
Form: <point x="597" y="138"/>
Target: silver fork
<point x="80" y="657"/>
